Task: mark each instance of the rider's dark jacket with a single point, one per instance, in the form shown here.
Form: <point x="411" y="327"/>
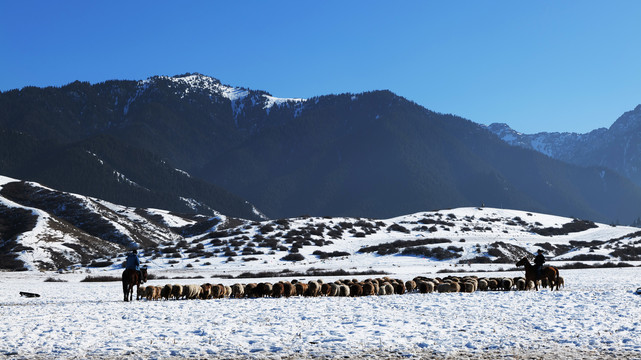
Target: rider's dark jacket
<point x="133" y="262"/>
<point x="539" y="260"/>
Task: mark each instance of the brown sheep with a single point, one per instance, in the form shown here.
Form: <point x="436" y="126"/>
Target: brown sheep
<point x="165" y="292"/>
<point x="493" y="284"/>
<point x="250" y="290"/>
<point x="176" y="291"/>
<point x="301" y="288"/>
<point x="410" y="285"/>
<point x="368" y="289"/>
<point x="237" y="291"/>
<point x="325" y="289"/>
<point x="443" y="287"/>
<point x="506" y="284"/>
<point x="205" y="291"/>
<point x="227" y="291"/>
<point x="561" y="282"/>
<point x="356" y="290"/>
<point x="425" y="287"/>
<point x="483" y="285"/>
<point x="399" y="287"/>
<point x="217" y="291"/>
<point x="469" y="287"/>
<point x="140" y="293"/>
<point x="278" y="290"/>
<point x="289" y="289"/>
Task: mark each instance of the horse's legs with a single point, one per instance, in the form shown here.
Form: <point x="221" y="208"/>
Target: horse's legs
<point x="125" y="289"/>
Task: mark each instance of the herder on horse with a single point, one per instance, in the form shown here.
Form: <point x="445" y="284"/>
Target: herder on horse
<point x="133" y="275"/>
<point x="537" y="272"/>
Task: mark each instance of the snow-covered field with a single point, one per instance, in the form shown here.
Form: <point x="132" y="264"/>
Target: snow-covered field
<point x="597" y="315"/>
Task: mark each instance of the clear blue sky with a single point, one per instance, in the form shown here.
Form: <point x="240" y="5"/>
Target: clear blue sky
<point x="536" y="65"/>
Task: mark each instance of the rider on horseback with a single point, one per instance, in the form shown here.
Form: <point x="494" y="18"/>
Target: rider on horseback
<point x="133" y="263"/>
<point x="539" y="260"/>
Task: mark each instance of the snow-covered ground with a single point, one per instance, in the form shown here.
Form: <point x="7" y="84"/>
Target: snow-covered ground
<point x="596" y="315"/>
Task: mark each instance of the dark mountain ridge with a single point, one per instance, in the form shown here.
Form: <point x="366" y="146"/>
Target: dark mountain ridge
<point x="373" y="154"/>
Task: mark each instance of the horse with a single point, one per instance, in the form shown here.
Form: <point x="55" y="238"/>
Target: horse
<point x="131" y="278"/>
<point x="547" y="272"/>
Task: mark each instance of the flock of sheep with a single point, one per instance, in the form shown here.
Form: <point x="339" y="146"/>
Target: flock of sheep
<point x="379" y="286"/>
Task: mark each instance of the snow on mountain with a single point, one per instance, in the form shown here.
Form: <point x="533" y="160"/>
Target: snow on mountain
<point x="617" y="148"/>
<point x="432" y="241"/>
<point x="198" y="83"/>
<point x="48" y="229"/>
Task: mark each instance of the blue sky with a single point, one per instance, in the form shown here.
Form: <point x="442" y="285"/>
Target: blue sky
<point x="537" y="65"/>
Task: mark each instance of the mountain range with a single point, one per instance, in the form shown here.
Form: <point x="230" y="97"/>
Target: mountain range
<point x="190" y="144"/>
<point x="617" y="148"/>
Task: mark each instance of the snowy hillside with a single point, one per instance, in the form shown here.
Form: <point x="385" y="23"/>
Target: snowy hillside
<point x="45" y="229"/>
<point x="49" y="229"/>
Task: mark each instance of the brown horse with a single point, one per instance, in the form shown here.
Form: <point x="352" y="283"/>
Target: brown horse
<point x="131" y="278"/>
<point x="548" y="272"/>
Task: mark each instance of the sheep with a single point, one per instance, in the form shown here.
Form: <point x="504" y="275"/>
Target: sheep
<point x="301" y="288"/>
<point x="399" y="287"/>
<point x="493" y="284"/>
<point x="250" y="290"/>
<point x="165" y="292"/>
<point x="278" y="290"/>
<point x="205" y="291"/>
<point x="469" y="287"/>
<point x="368" y="289"/>
<point x="561" y="282"/>
<point x="410" y="285"/>
<point x="425" y="287"/>
<point x="443" y="287"/>
<point x="191" y="291"/>
<point x="217" y="291"/>
<point x="344" y="290"/>
<point x="176" y="291"/>
<point x="140" y="293"/>
<point x="237" y="291"/>
<point x="334" y="289"/>
<point x="389" y="289"/>
<point x="289" y="289"/>
<point x="507" y="284"/>
<point x="483" y="285"/>
<point x="381" y="290"/>
<point x="313" y="288"/>
<point x="455" y="286"/>
<point x="149" y="292"/>
<point x="325" y="289"/>
<point x="521" y="284"/>
<point x="530" y="285"/>
<point x="227" y="291"/>
<point x="356" y="290"/>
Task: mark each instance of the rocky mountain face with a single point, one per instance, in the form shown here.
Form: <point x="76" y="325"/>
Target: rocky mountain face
<point x="189" y="143"/>
<point x="617" y="148"/>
